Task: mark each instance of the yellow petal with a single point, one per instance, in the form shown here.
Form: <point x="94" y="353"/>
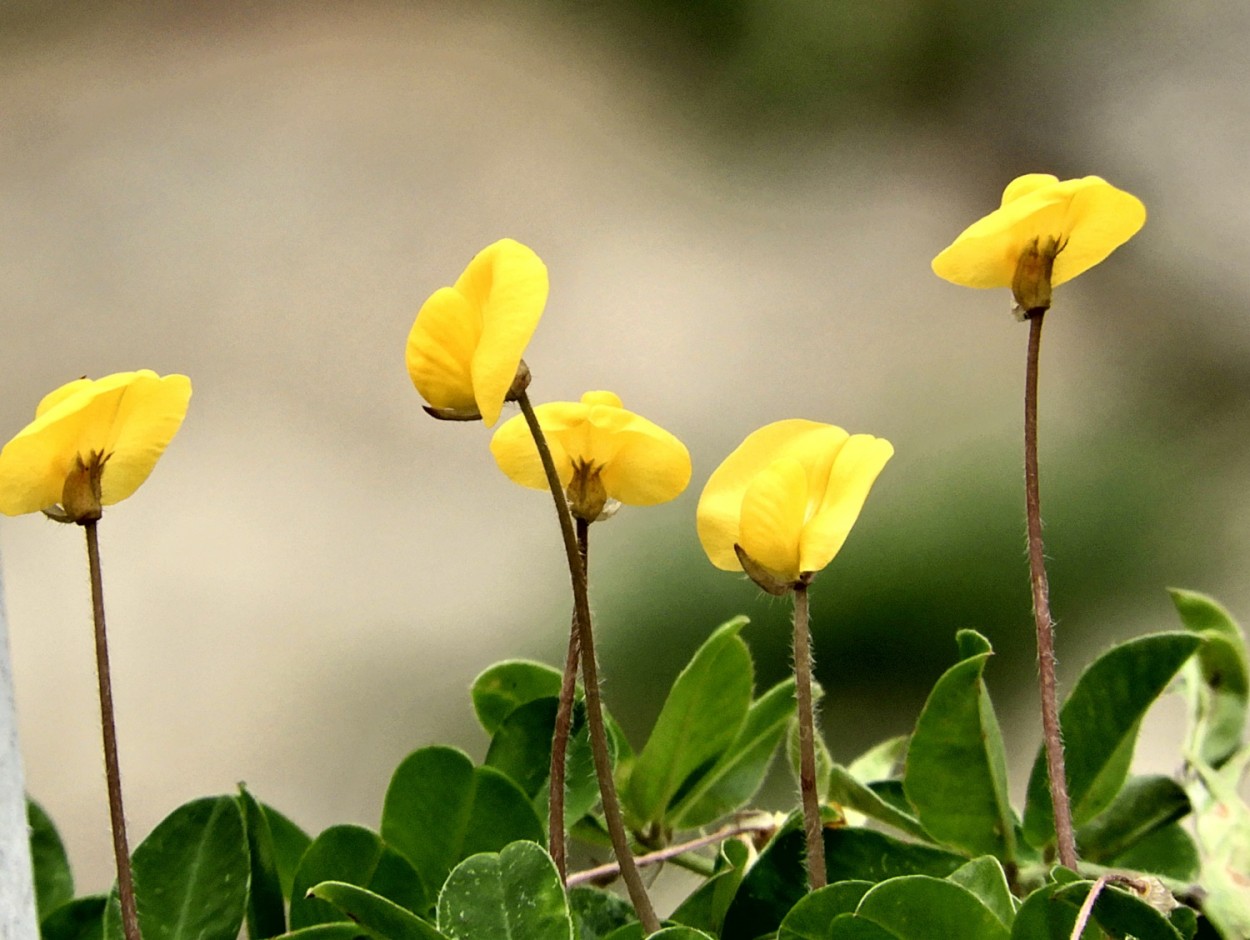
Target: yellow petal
<point x="773" y="509"/>
<point x="1100" y="218"/>
<point x="648" y="466"/>
<point x="720" y="505"/>
<point x="440" y="349"/>
<point x="514" y="450"/>
<point x="1024" y="185"/>
<point x="858" y="463"/>
<point x="130" y="417"/>
<point x="508" y="283"/>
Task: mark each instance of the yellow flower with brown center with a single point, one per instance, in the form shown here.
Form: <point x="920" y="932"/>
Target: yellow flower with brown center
<point x="1046" y="232"/>
<point x="92" y="444"/>
<point x="464" y="350"/>
<point x="603" y="454"/>
<point x="781" y="505"/>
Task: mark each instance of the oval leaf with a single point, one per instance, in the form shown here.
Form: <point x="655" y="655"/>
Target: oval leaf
<point x="699" y="720"/>
<point x="382" y="916"/>
<point x="190" y="875"/>
<point x="515" y="894"/>
<point x="357" y="856"/>
<point x="811" y="917"/>
<point x="918" y="907"/>
<point x="266" y="906"/>
<point x="79" y="919"/>
<point x="1100" y="721"/>
<point x="290" y="842"/>
<point x="440" y="809"/>
<point x="54" y="883"/>
<point x="506" y="686"/>
<point x="985" y="878"/>
<point x="1144" y="805"/>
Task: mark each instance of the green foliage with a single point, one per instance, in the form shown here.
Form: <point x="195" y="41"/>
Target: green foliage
<point x="357" y="856"/>
<point x="1218" y="679"/>
<point x="54" y="883"/>
<point x="514" y="894"/>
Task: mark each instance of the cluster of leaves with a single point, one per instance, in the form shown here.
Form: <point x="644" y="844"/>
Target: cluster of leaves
<point x="921" y="839"/>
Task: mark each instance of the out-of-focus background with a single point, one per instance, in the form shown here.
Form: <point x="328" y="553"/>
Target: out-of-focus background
<point x="738" y="203"/>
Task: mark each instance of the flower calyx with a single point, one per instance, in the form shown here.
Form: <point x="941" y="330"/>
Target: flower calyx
<point x="588" y="497"/>
<point x="766" y="580"/>
<point x="1031" y="284"/>
<point x="81" y="497"/>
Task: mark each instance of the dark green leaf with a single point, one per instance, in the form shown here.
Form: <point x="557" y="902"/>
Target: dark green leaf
<point x="681" y="933"/>
<point x="1168" y="852"/>
<point x="440" y="809"/>
<point x="1141" y="807"/>
<point x="597" y="913"/>
<point x="54" y="883"/>
<point x="705" y="907"/>
<point x="919" y="907"/>
<point x="266" y="905"/>
<point x="79" y="919"/>
<point x="340" y="930"/>
<point x="508" y="685"/>
<point x="738" y="773"/>
<point x="811" y="918"/>
<point x="380" y="915"/>
<point x="190" y="875"/>
<point x="850" y="927"/>
<point x="290" y="842"/>
<point x="357" y="856"/>
<point x="1043" y="916"/>
<point x="515" y="894"/>
<point x="1218" y="678"/>
<point x="849" y="793"/>
<point x="1121" y="913"/>
<point x="700" y="719"/>
<point x="956" y="773"/>
<point x="1100" y="721"/>
<point x="985" y="878"/>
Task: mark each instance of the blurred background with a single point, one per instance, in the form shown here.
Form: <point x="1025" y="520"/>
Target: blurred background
<point x="738" y="202"/>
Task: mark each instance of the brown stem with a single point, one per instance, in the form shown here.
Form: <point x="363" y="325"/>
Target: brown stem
<point x="672" y="851"/>
<point x="112" y="771"/>
<point x="1051" y="732"/>
<point x="563" y="728"/>
<point x="590" y="678"/>
<point x="812" y="825"/>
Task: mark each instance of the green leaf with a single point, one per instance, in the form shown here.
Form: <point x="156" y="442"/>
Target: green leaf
<point x="506" y="686"/>
<point x="596" y="913"/>
<point x="778" y="879"/>
<point x="850" y="927"/>
<point x="700" y="719"/>
<point x="1121" y="913"/>
<point x="381" y="916"/>
<point x="849" y="793"/>
<point x="440" y="809"/>
<point x="290" y="842"/>
<point x="880" y="762"/>
<point x="1144" y="805"/>
<point x="1044" y="917"/>
<point x="190" y="875"/>
<point x="956" y="773"/>
<point x="1100" y="721"/>
<point x="738" y="773"/>
<point x="266" y="905"/>
<point x="1168" y="852"/>
<point x="515" y="894"/>
<point x="79" y="919"/>
<point x="357" y="856"/>
<point x="54" y="882"/>
<point x="340" y="930"/>
<point x="811" y="917"/>
<point x="705" y="907"/>
<point x="919" y="907"/>
<point x="985" y="878"/>
<point x="1218" y="679"/>
<point x="681" y="933"/>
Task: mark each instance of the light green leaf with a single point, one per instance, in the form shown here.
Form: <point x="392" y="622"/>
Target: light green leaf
<point x="357" y="856"/>
<point x="190" y="875"/>
<point x="811" y="918"/>
<point x="381" y="916"/>
<point x="440" y="809"/>
<point x="880" y="762"/>
<point x="515" y="894"/>
<point x="700" y="719"/>
<point x="918" y="907"/>
<point x="54" y="882"/>
<point x="849" y="793"/>
<point x="1217" y="679"/>
<point x="985" y="878"/>
<point x="1100" y="721"/>
<point x="508" y="685"/>
<point x="705" y="907"/>
<point x="738" y="773"/>
<point x="956" y="773"/>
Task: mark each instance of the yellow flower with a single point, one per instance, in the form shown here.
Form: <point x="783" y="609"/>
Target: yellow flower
<point x="1070" y="224"/>
<point x="92" y="444"/>
<point x="601" y="451"/>
<point x="782" y="504"/>
<point x="465" y="347"/>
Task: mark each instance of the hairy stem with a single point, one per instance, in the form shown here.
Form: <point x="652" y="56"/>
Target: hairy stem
<point x="807" y="740"/>
<point x="112" y="770"/>
<point x="590" y="679"/>
<point x="1051" y="732"/>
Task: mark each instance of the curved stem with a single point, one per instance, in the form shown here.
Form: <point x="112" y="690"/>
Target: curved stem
<point x="590" y="677"/>
<point x="812" y="825"/>
<point x="556" y="829"/>
<point x="1051" y="732"/>
<point x="112" y="769"/>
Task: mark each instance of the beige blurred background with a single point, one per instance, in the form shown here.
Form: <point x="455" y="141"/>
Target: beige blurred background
<point x="738" y="204"/>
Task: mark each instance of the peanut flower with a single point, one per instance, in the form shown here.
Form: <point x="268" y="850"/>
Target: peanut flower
<point x="1045" y="232"/>
<point x="464" y="350"/>
<point x="604" y="455"/>
<point x="781" y="505"/>
<point x="92" y="444"/>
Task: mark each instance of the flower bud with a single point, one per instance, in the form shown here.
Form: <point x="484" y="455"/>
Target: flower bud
<point x="586" y="493"/>
<point x="81" y="498"/>
<point x="1031" y="284"/>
